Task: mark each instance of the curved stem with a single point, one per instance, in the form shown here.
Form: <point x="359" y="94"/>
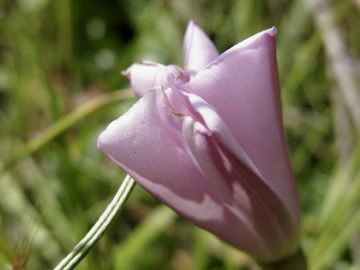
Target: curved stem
<point x="95" y="233"/>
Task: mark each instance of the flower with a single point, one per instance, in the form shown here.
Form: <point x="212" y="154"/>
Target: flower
<point x="208" y="141"/>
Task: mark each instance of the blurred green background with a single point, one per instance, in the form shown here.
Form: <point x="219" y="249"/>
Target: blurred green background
<point x="60" y="64"/>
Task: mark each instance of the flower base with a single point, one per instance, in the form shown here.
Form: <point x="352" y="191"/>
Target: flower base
<point x="296" y="261"/>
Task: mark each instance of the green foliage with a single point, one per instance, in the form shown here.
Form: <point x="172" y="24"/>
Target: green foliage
<point x="60" y="64"/>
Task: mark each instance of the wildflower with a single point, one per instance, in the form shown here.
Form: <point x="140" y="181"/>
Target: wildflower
<point x="208" y="141"/>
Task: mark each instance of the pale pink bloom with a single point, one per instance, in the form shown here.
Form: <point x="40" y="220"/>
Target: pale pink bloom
<point x="208" y="141"/>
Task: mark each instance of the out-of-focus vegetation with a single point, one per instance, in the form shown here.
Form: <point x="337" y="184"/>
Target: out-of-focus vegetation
<point x="56" y="56"/>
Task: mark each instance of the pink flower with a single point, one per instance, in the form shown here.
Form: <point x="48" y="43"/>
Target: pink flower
<point x="208" y="141"/>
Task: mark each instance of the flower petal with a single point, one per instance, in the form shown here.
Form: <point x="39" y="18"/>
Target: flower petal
<point x="145" y="76"/>
<point x="148" y="142"/>
<point x="242" y="84"/>
<point x="222" y="160"/>
<point x="198" y="48"/>
<point x="148" y="75"/>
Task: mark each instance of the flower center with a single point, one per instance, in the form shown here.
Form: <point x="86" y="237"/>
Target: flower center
<point x="175" y="75"/>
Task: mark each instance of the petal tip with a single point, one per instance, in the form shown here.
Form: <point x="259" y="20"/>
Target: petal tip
<point x="270" y="33"/>
<point x="273" y="31"/>
<point x="191" y="23"/>
<point x="190" y="28"/>
<point x="126" y="73"/>
<point x="198" y="49"/>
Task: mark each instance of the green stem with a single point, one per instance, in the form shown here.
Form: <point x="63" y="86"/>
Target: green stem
<point x="95" y="233"/>
<point x="296" y="261"/>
